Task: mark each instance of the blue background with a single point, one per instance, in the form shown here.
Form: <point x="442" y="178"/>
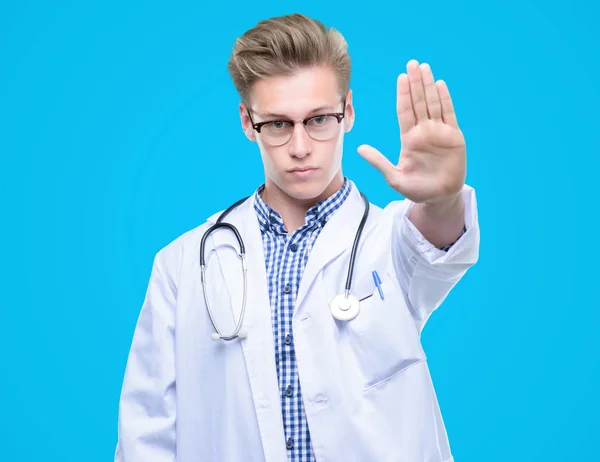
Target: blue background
<point x="106" y="156"/>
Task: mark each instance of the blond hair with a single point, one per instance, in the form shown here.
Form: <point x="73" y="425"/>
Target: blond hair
<point x="281" y="45"/>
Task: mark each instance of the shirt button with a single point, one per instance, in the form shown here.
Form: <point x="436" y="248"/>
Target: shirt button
<point x="288" y="340"/>
<point x="273" y="219"/>
<point x="287" y="289"/>
<point x="289" y="443"/>
<point x="288" y="391"/>
<point x="293" y="247"/>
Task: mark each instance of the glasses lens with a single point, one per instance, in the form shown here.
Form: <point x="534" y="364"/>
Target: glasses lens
<point x="277" y="133"/>
<point x="322" y="127"/>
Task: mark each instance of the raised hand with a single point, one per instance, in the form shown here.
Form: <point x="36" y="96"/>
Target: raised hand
<point x="432" y="164"/>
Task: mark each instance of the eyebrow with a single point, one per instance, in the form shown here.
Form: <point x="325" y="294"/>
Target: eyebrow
<point x="283" y="116"/>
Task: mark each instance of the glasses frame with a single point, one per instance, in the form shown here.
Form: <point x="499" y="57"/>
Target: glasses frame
<point x="338" y="115"/>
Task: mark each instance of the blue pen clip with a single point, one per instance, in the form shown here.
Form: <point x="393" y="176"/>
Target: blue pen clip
<point x="377" y="280"/>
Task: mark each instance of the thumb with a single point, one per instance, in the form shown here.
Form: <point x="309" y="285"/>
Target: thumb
<point x="377" y="160"/>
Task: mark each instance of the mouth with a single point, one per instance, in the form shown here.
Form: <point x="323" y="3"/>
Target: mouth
<point x="302" y="169"/>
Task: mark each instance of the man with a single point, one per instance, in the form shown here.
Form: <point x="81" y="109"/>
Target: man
<point x="309" y="378"/>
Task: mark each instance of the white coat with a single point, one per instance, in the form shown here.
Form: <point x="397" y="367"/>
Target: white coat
<point x="366" y="385"/>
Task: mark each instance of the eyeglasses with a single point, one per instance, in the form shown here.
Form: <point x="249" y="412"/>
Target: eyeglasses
<point x="319" y="127"/>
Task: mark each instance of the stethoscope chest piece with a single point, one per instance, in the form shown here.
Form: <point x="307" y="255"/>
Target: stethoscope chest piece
<point x="344" y="307"/>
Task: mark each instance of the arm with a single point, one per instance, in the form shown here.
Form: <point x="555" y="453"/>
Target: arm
<point x="440" y="223"/>
<point x="430" y="174"/>
<point x="146" y="424"/>
<point x="425" y="272"/>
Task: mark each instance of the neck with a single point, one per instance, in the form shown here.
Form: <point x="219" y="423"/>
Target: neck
<point x="293" y="210"/>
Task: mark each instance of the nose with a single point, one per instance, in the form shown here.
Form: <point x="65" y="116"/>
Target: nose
<point x="299" y="144"/>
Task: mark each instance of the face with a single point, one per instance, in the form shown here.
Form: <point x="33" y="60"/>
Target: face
<point x="304" y="168"/>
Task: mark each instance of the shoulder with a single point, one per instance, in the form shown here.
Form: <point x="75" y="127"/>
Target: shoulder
<point x="387" y="214"/>
<point x="170" y="258"/>
<point x="186" y="246"/>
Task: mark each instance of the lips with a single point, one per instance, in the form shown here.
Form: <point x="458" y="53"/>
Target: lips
<point x="302" y="169"/>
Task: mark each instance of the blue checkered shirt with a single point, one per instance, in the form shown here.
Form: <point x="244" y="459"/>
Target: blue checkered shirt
<point x="285" y="258"/>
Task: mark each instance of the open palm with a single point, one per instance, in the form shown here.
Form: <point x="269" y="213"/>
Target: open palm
<point x="432" y="163"/>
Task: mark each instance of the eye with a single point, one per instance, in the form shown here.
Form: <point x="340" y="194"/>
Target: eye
<point x="322" y="122"/>
<point x="278" y="124"/>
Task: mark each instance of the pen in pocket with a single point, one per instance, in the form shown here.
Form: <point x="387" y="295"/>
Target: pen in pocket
<point x="377" y="280"/>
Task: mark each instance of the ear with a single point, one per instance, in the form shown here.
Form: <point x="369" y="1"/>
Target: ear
<point x="246" y="122"/>
<point x="349" y="117"/>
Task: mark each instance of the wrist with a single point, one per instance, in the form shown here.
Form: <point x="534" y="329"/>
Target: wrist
<point x="443" y="209"/>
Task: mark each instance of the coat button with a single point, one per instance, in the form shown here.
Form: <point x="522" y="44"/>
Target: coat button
<point x="289" y="443"/>
<point x="288" y="391"/>
<point x="288" y="340"/>
<point x="287" y="289"/>
<point x="293" y="247"/>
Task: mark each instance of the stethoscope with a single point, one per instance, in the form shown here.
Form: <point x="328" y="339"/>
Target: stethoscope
<point x="344" y="306"/>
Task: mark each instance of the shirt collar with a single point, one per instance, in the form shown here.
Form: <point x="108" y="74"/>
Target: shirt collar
<point x="317" y="215"/>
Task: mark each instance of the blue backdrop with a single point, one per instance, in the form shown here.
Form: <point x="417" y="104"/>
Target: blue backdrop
<point x="115" y="116"/>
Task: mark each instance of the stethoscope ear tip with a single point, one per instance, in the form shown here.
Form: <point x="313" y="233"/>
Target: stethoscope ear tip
<point x="215" y="337"/>
<point x="242" y="333"/>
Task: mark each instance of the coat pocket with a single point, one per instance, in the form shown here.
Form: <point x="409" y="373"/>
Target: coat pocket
<point x="383" y="337"/>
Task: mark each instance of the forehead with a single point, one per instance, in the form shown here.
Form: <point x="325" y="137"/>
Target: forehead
<point x="296" y="95"/>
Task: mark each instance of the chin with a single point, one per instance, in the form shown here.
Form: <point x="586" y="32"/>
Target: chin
<point x="304" y="190"/>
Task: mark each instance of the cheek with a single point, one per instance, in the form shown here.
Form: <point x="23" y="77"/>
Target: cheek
<point x="268" y="158"/>
<point x="335" y="152"/>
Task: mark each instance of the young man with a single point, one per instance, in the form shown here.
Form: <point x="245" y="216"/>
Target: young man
<point x="313" y="375"/>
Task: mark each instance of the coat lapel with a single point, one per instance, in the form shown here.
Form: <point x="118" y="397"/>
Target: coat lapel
<point x="336" y="237"/>
<point x="258" y="347"/>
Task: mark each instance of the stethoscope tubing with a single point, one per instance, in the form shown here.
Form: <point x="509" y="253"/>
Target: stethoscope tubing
<point x="221" y="224"/>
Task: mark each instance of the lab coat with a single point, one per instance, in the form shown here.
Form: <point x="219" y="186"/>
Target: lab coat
<point x="365" y="383"/>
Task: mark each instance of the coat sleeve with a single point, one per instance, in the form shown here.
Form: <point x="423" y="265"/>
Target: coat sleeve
<point x="427" y="274"/>
<point x="146" y="422"/>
